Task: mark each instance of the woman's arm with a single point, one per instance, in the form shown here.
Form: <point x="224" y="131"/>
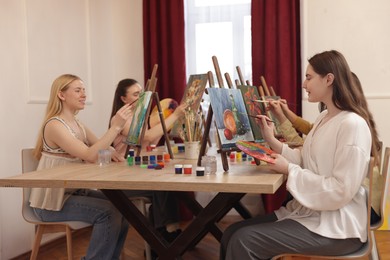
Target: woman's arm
<point x="154" y="134"/>
<point x="56" y="133"/>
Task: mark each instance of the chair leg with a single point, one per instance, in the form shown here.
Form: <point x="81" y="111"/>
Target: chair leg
<point x="374" y="250"/>
<point x="148" y="250"/>
<point x="37" y="242"/>
<point x="69" y="242"/>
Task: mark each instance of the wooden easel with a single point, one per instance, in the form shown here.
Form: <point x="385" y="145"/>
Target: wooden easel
<point x="222" y="150"/>
<point x="151" y="86"/>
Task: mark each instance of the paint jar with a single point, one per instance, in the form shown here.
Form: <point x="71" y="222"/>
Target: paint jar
<point x="175" y="149"/>
<point x="131" y="152"/>
<point x="191" y="150"/>
<point x="130" y="160"/>
<point x="238" y="156"/>
<point x="178" y="168"/>
<point x="167" y="157"/>
<point x="244" y="157"/>
<point x="200" y="171"/>
<point x="160" y="158"/>
<point x="187" y="168"/>
<point x="232" y="156"/>
<point x="145" y="159"/>
<point x="137" y="160"/>
<point x="152" y="159"/>
<point x="181" y="148"/>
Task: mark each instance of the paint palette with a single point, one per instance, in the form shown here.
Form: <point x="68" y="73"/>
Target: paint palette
<point x="256" y="150"/>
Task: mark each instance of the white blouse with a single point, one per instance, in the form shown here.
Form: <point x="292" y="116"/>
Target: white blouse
<point x="325" y="178"/>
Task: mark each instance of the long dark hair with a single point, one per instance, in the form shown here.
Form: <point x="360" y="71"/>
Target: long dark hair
<point x="347" y="92"/>
<point x="121" y="91"/>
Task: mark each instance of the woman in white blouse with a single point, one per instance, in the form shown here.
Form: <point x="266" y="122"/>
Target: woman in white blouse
<point x="327" y="214"/>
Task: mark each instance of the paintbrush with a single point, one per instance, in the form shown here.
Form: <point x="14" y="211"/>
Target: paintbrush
<point x="260" y="101"/>
<point x="133" y="102"/>
<point x="267" y="101"/>
<point x="268" y="120"/>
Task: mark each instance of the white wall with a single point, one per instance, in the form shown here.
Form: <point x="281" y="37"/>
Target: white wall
<point x="358" y="29"/>
<point x="98" y="40"/>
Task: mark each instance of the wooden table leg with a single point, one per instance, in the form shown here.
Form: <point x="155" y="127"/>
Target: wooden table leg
<point x="137" y="220"/>
<point x="203" y="223"/>
<point x="205" y="220"/>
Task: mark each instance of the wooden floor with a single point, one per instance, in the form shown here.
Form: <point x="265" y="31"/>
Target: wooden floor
<point x="208" y="248"/>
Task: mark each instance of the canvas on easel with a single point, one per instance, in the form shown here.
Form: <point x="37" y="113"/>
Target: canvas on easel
<point x="224" y="145"/>
<point x="138" y="121"/>
<point x="192" y="97"/>
<point x="230" y="116"/>
<point x="251" y="97"/>
<point x="142" y="110"/>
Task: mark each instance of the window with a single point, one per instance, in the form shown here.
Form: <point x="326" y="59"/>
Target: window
<point x="220" y="28"/>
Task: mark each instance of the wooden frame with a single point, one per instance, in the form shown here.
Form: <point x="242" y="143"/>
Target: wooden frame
<point x="151" y="86"/>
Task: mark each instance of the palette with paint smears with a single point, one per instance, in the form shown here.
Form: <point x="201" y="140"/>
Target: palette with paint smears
<point x="256" y="150"/>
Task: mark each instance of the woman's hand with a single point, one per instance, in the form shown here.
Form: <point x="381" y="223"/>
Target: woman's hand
<point x="267" y="130"/>
<point x="121" y="117"/>
<point x="115" y="156"/>
<point x="280" y="165"/>
<point x="267" y="127"/>
<point x="275" y="106"/>
<point x="180" y="110"/>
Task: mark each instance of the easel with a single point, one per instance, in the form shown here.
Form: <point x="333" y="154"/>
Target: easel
<point x="223" y="151"/>
<point x="151" y="86"/>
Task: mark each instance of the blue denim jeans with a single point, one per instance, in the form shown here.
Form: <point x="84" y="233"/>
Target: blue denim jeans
<point x="109" y="227"/>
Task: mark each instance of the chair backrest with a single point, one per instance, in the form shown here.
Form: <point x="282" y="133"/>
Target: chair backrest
<point x="366" y="248"/>
<point x="29" y="163"/>
<point x="385" y="171"/>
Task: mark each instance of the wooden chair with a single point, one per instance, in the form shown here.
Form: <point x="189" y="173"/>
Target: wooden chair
<point x="364" y="251"/>
<point x="384" y="183"/>
<point x="29" y="163"/>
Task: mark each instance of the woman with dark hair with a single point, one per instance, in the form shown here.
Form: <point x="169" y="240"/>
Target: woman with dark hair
<point x="327" y="214"/>
<point x="127" y="92"/>
<point x="164" y="211"/>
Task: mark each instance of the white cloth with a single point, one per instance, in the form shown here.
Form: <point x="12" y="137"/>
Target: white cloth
<point x="325" y="178"/>
<point x="51" y="198"/>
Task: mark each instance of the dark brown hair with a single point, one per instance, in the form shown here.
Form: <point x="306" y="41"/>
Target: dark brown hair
<point x="347" y="91"/>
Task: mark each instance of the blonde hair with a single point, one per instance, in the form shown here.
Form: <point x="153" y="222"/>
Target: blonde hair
<point x="54" y="106"/>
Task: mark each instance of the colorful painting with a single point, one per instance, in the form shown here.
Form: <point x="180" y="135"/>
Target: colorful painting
<point x="192" y="96"/>
<point x="251" y="96"/>
<point x="194" y="91"/>
<point x="138" y="121"/>
<point x="256" y="150"/>
<point x="230" y="116"/>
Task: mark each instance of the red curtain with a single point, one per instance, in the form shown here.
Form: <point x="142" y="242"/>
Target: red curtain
<point x="164" y="44"/>
<point x="276" y="56"/>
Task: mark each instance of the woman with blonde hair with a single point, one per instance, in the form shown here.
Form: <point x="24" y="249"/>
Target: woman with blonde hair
<point x="64" y="139"/>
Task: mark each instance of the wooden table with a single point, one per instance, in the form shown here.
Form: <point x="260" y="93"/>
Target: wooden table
<point x="111" y="179"/>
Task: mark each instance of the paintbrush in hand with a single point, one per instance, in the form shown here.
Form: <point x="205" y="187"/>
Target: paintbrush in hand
<point x="268" y="120"/>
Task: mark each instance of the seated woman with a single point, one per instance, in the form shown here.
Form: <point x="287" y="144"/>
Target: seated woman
<point x="128" y="91"/>
<point x="164" y="209"/>
<point x="327" y="213"/>
<point x="64" y="139"/>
